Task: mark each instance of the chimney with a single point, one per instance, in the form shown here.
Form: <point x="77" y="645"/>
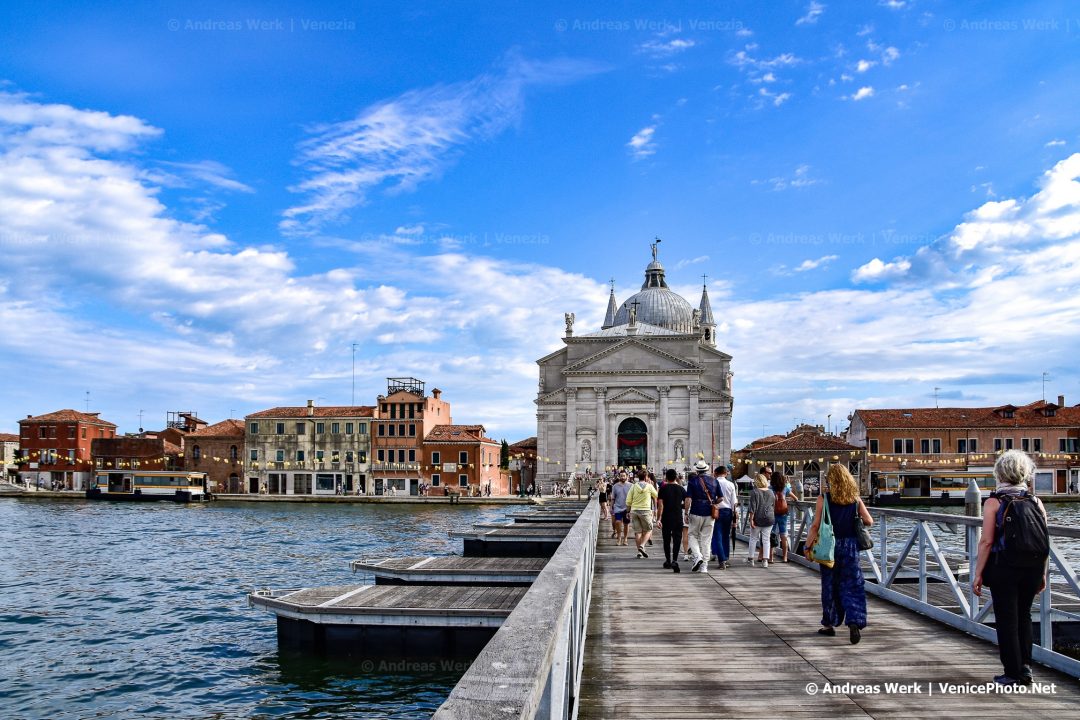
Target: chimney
<point x="311" y="408"/>
<point x="435" y="393"/>
<point x="1061" y="401"/>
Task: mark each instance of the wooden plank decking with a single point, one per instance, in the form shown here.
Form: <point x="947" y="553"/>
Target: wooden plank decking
<point x="742" y="643"/>
<point x="452" y="569"/>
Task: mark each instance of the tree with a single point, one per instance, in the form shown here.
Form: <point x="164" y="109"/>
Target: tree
<point x="504" y="455"/>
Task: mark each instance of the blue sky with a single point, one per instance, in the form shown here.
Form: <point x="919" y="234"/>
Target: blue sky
<point x="203" y="205"/>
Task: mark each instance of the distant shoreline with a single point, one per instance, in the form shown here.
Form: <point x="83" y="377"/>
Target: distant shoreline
<point x="378" y="499"/>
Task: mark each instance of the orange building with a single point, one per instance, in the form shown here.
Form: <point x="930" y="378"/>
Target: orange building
<point x="54" y="449"/>
<point x="804" y="456"/>
<point x="463" y="459"/>
<point x="404" y="417"/>
<point x="924" y="452"/>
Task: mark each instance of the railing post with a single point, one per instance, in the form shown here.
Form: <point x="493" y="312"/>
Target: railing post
<point x="1046" y="622"/>
<point x="922" y="561"/>
<point x="884" y="546"/>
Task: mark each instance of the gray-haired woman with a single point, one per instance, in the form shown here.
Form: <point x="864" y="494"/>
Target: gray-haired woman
<point x="1013" y="564"/>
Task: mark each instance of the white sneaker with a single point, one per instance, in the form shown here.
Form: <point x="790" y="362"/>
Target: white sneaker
<point x="765" y="564"/>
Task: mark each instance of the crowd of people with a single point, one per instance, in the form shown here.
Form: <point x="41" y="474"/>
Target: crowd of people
<point x="698" y="515"/>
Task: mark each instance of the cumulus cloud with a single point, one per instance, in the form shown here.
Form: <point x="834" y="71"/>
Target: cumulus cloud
<point x="1055" y="143"/>
<point x="800" y="178"/>
<point x="642" y="144"/>
<point x="862" y="93"/>
<point x="660" y="48"/>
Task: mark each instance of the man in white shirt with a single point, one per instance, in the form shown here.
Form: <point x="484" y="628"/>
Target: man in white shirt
<point x="729" y="500"/>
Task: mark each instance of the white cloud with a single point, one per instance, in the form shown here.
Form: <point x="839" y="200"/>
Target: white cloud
<point x="865" y="30"/>
<point x="863" y="93"/>
<point x="662" y="48"/>
<point x="893" y="4"/>
<point x="777" y="99"/>
<point x="642" y="144"/>
<point x="743" y="60"/>
<point x="864" y="65"/>
<point x="814" y="264"/>
<point x="889" y="55"/>
<point x="800" y="178"/>
<point x="813" y="11"/>
<point x="877" y="271"/>
<point x="212" y="173"/>
<point x="1055" y="143"/>
<point x="686" y="262"/>
<point x="400" y="143"/>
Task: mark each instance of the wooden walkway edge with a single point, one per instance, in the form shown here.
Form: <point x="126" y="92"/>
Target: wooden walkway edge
<point x="743" y="643"/>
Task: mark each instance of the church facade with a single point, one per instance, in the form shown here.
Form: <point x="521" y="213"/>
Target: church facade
<point x="648" y="389"/>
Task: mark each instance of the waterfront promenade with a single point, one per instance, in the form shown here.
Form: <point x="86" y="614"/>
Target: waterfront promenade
<point x="742" y="643"/>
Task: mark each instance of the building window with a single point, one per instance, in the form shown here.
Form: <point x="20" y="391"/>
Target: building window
<point x="71" y="433"/>
<point x="301" y="428"/>
<point x="897" y="445"/>
<point x="1008" y="443"/>
<point x="348" y="456"/>
<point x="463" y="457"/>
<point x="320" y="428"/>
<point x="348" y="428"/>
<point x="299" y="456"/>
<point x="435" y="480"/>
<point x="319" y="455"/>
<point x="361" y="456"/>
<point x="463" y="480"/>
<point x="401" y="429"/>
<point x="997" y="444"/>
<point x="393" y="411"/>
<point x="1025" y="444"/>
<point x="935" y="446"/>
<point x="84" y="433"/>
<point x="973" y="445"/>
<point x="924" y="446"/>
<point x="412" y="430"/>
<point x="279" y="455"/>
<point x="335" y="456"/>
<point x="392" y="430"/>
<point x="401" y="456"/>
<point x="363" y="428"/>
<point x="279" y="428"/>
<point x="43" y="433"/>
<point x="253" y="428"/>
<point x="412" y="456"/>
<point x="1036" y="444"/>
<point x="253" y="456"/>
<point x="436" y="458"/>
<point x="382" y="430"/>
<point x="873" y="446"/>
<point x="961" y="446"/>
<point x="196" y="452"/>
<point x="234" y="454"/>
<point x="335" y="428"/>
<point x="381" y="455"/>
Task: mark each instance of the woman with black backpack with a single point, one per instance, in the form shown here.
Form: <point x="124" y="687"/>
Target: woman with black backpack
<point x="1013" y="555"/>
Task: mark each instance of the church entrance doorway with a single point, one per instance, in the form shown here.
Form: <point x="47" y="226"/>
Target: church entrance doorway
<point x="633" y="443"/>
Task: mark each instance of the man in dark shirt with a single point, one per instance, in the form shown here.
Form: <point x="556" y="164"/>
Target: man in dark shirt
<point x="702" y="493"/>
<point x="669" y="510"/>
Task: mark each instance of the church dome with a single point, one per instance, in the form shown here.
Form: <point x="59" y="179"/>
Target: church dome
<point x="657" y="304"/>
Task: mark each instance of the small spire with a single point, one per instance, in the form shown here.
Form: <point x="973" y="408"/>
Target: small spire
<point x="706" y="308"/>
<point x="612" y="308"/>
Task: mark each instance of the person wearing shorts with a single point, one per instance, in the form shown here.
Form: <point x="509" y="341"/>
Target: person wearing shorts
<point x="640" y="501"/>
<point x="620" y="513"/>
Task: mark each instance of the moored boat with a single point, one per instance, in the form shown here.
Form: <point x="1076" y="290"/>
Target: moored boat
<point x="175" y="485"/>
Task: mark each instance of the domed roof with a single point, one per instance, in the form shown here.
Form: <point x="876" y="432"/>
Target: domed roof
<point x="657" y="304"/>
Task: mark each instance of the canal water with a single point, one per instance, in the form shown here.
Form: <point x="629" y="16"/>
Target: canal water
<point x="116" y="610"/>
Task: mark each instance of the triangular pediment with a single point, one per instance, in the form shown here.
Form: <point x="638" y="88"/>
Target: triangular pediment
<point x="632" y="356"/>
<point x="632" y="395"/>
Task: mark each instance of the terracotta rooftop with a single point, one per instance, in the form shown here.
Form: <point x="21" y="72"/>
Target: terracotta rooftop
<point x="301" y="411"/>
<point x="528" y="443"/>
<point x="806" y="442"/>
<point x="1032" y="414"/>
<point x="69" y="416"/>
<point x="8" y="437"/>
<point x="224" y="429"/>
<point x="457" y="434"/>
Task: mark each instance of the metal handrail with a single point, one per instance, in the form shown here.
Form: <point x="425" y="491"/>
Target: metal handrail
<point x="951" y="566"/>
<point x="532" y="667"/>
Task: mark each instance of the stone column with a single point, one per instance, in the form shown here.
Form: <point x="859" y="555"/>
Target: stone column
<point x="571" y="449"/>
<point x="695" y="425"/>
<point x="662" y="429"/>
<point x="653" y="444"/>
<point x="613" y="437"/>
<point x="602" y="443"/>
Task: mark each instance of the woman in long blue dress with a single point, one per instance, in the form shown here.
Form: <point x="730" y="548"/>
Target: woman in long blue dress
<point x="843" y="595"/>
